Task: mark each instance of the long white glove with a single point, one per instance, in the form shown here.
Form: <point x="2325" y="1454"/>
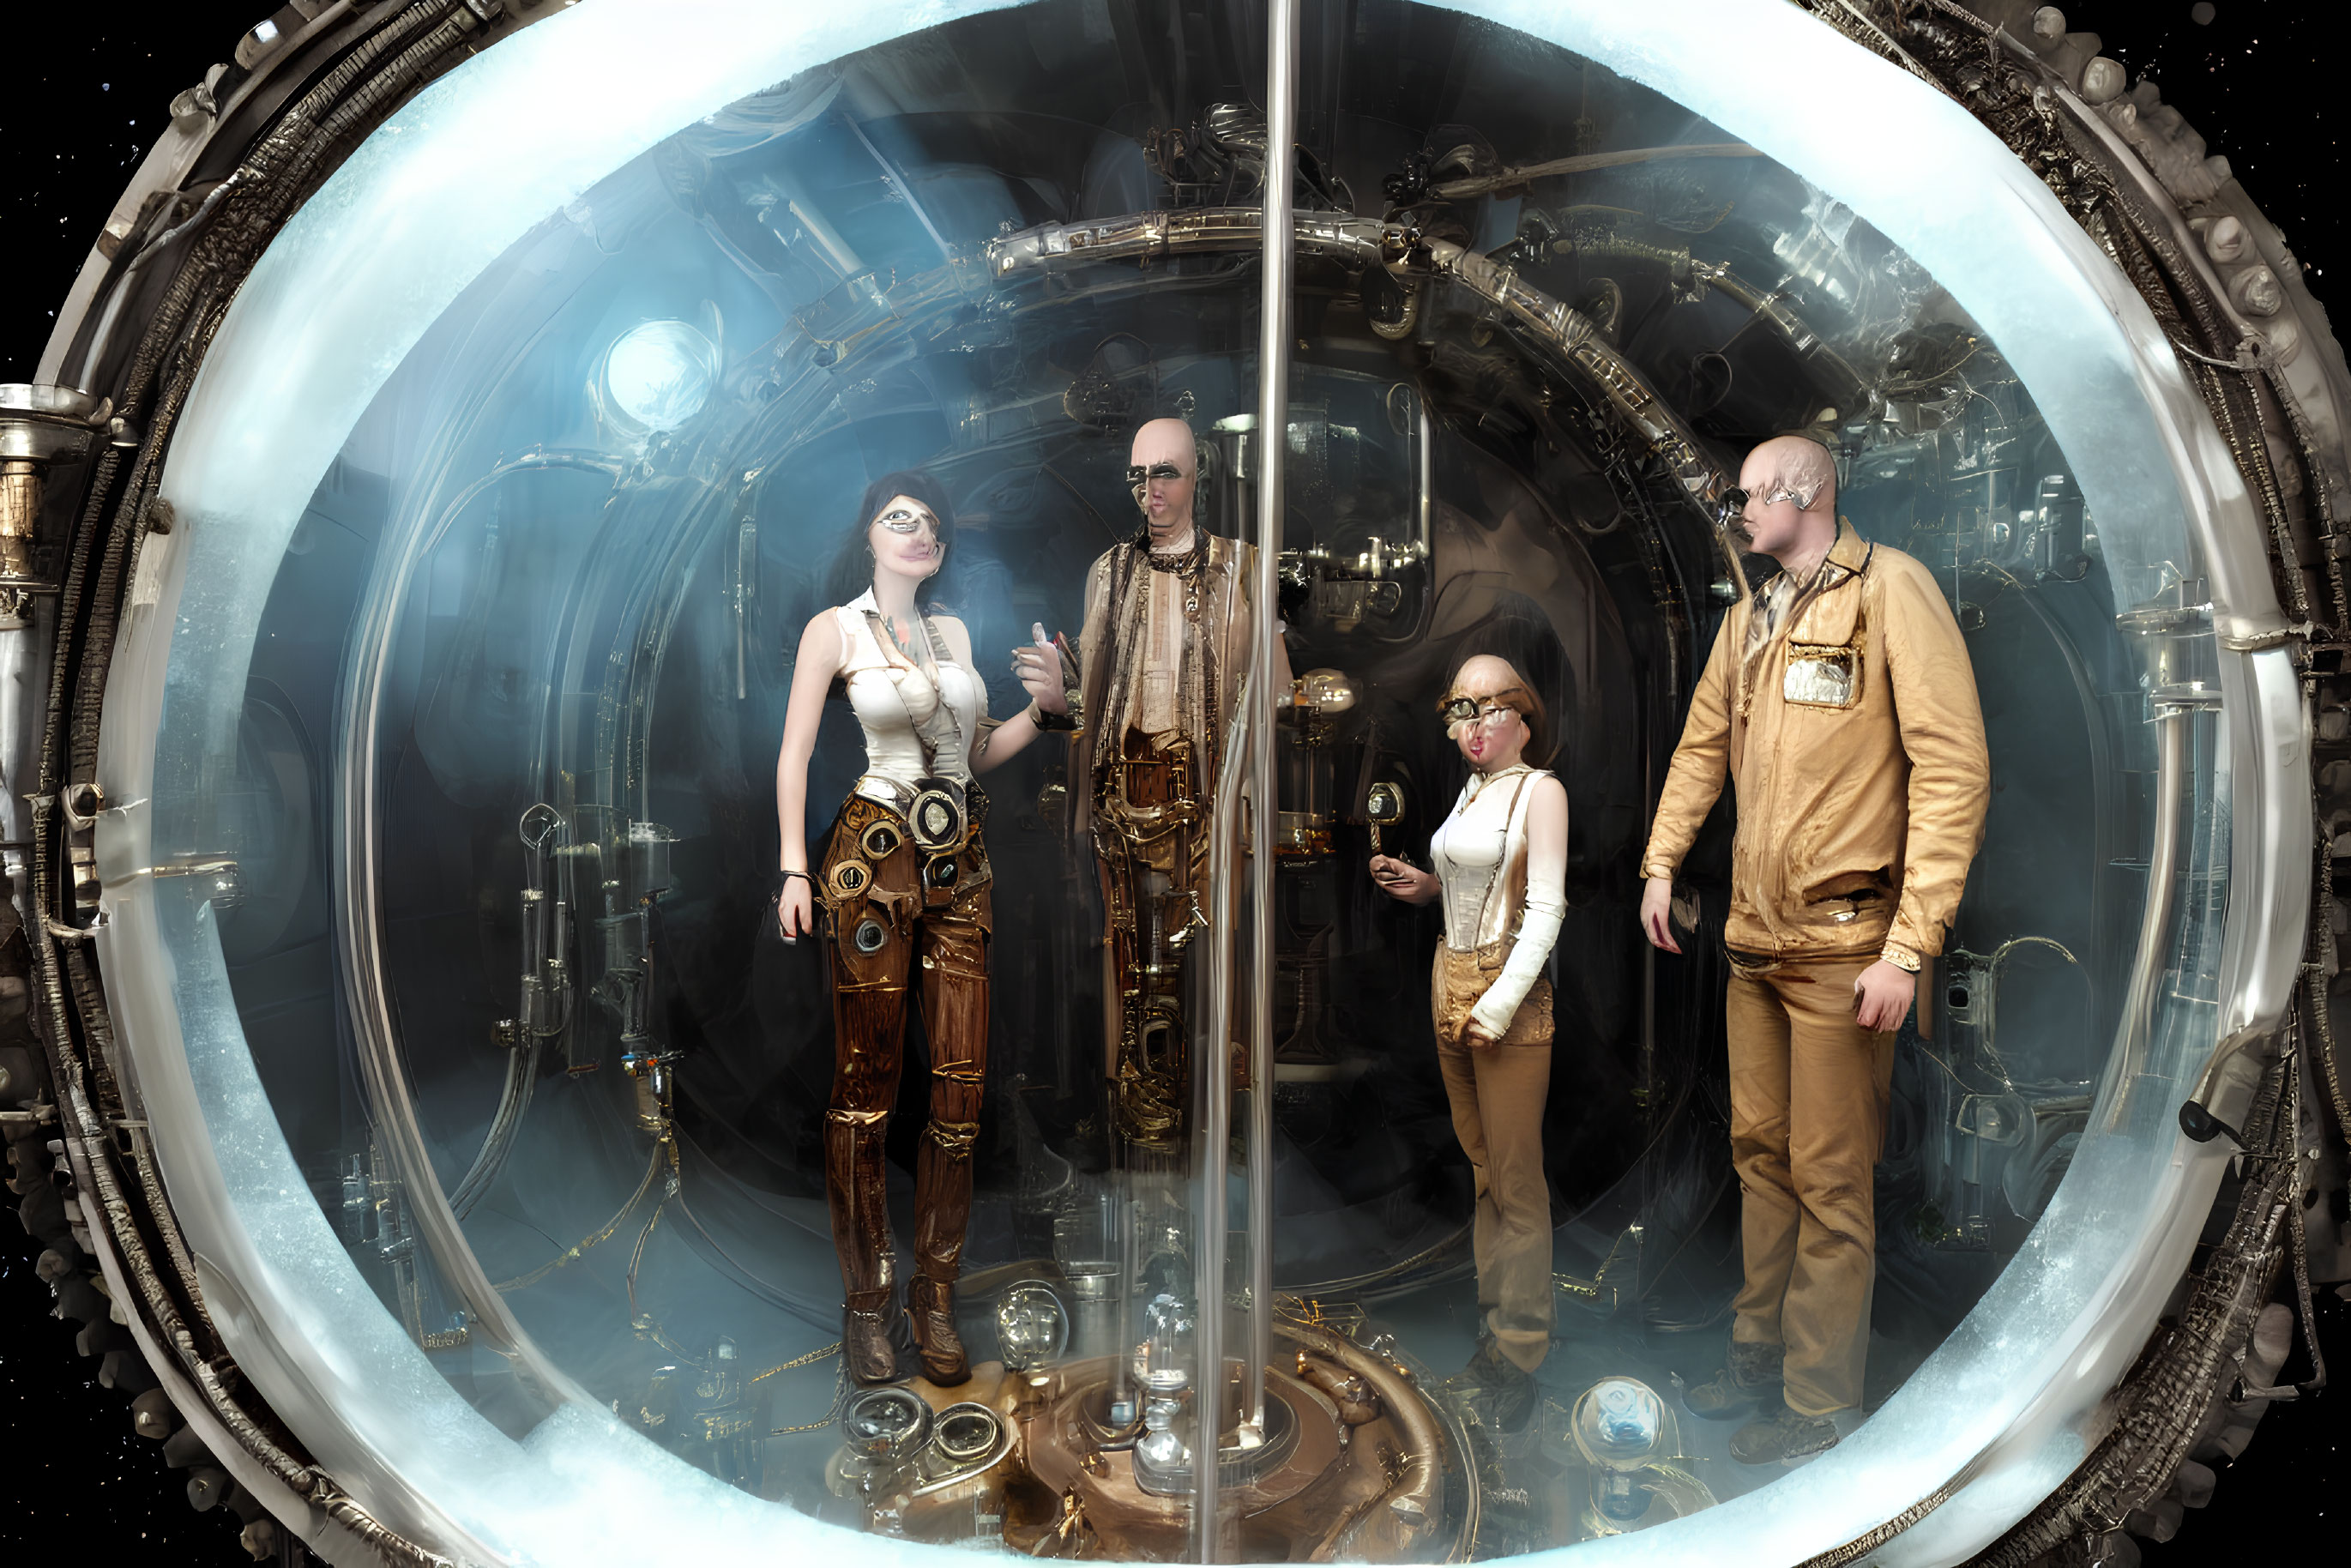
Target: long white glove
<point x="1538" y="929"/>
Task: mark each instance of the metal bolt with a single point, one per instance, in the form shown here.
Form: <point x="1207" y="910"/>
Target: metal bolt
<point x="152" y="1415"/>
<point x="207" y="1487"/>
<point x="2102" y="80"/>
<point x="2256" y="289"/>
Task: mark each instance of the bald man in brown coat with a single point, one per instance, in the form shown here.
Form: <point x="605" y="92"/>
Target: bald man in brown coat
<point x="1840" y="704"/>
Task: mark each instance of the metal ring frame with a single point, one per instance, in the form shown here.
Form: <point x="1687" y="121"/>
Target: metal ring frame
<point x="413" y="43"/>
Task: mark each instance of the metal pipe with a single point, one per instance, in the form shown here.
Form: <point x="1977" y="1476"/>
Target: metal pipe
<point x="1273" y="419"/>
<point x="1564" y="334"/>
<point x="1215" y="1121"/>
<point x="1425" y="482"/>
<point x="1256" y="723"/>
<point x="1485" y="184"/>
<point x="357" y="837"/>
<point x="2155" y="920"/>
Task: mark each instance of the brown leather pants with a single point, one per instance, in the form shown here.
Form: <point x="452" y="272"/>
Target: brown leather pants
<point x="889" y="910"/>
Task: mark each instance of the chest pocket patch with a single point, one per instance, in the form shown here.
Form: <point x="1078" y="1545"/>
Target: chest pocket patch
<point x="1822" y="675"/>
<point x="1825" y="668"/>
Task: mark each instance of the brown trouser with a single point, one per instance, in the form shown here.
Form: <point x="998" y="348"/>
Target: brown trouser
<point x="888" y="911"/>
<point x="1151" y="860"/>
<point x="1808" y="1096"/>
<point x="1496" y="1092"/>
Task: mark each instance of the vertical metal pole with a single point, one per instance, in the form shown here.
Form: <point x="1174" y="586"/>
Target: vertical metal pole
<point x="1259" y="697"/>
<point x="1211" y="1151"/>
<point x="1273" y="433"/>
<point x="1424" y="480"/>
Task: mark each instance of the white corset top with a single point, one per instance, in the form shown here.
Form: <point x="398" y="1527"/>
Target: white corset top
<point x="1479" y="854"/>
<point x="891" y="695"/>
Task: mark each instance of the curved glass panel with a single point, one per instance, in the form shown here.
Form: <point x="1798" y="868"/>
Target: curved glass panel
<point x="500" y="776"/>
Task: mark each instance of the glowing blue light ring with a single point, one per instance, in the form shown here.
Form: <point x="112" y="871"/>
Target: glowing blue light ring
<point x="418" y="212"/>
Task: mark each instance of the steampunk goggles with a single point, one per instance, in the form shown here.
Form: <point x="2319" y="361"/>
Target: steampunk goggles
<point x="1138" y="475"/>
<point x="909" y="521"/>
<point x="1486" y="712"/>
<point x="1734" y="500"/>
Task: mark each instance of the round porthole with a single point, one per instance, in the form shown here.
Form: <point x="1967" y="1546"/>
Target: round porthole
<point x="523" y="485"/>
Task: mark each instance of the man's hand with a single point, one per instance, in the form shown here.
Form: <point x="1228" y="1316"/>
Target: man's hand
<point x="1882" y="996"/>
<point x="1658" y="914"/>
<point x="1406" y="882"/>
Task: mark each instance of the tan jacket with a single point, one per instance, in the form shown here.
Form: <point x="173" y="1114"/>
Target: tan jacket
<point x="1856" y="748"/>
<point x="1218" y="655"/>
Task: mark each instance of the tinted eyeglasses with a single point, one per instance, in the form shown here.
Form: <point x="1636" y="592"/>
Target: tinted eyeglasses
<point x="1138" y="475"/>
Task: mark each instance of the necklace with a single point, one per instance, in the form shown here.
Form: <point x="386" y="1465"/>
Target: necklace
<point x="1477" y="782"/>
<point x="1187" y="564"/>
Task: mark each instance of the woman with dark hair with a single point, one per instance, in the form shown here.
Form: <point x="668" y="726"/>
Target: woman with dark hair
<point x="1500" y="860"/>
<point x="905" y="885"/>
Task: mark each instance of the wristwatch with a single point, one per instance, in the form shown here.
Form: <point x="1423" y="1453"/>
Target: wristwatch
<point x="1900" y="958"/>
<point x="1048" y="723"/>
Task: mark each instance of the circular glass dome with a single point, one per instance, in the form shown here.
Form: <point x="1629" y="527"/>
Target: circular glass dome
<point x="498" y="1106"/>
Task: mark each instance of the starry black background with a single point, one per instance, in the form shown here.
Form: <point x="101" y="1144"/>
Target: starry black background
<point x="87" y="97"/>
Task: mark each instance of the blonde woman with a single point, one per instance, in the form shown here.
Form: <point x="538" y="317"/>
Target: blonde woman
<point x="1501" y="867"/>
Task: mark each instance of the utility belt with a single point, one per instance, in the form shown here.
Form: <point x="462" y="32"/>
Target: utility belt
<point x="938" y="815"/>
<point x="876" y="855"/>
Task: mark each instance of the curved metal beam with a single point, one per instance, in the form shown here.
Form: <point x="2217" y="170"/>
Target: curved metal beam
<point x="1410" y="257"/>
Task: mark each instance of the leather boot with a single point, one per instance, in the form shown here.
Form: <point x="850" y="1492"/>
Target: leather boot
<point x="943" y="1184"/>
<point x="854" y="1191"/>
<point x="1750" y="1376"/>
<point x="930" y="1306"/>
<point x="865" y="1347"/>
<point x="1501" y="1385"/>
<point x="942" y="1209"/>
<point x="1783" y="1435"/>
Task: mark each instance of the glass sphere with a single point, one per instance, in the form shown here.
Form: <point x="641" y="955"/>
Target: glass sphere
<point x="1617" y="1422"/>
<point x="1031" y="1326"/>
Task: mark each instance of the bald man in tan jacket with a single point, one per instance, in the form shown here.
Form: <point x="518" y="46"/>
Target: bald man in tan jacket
<point x="1840" y="703"/>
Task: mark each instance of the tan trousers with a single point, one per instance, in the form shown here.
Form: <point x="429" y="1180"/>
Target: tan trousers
<point x="1497" y="1094"/>
<point x="1809" y="1089"/>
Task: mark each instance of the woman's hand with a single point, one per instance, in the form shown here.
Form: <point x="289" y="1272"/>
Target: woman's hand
<point x="1405" y="884"/>
<point x="796" y="909"/>
<point x="1038" y="665"/>
<point x="1474" y="1036"/>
